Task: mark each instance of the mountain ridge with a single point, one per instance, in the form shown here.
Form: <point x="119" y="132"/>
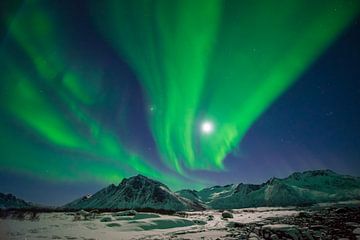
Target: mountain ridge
<point x="11" y="201"/>
<point x="134" y="193"/>
<point x="299" y="188"/>
<point x="141" y="192"/>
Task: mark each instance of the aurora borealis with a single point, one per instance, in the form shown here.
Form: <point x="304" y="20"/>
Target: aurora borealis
<point x="94" y="91"/>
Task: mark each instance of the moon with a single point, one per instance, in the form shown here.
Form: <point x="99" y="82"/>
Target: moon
<point x="207" y="127"/>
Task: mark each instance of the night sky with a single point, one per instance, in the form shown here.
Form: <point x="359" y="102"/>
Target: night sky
<point x="191" y="93"/>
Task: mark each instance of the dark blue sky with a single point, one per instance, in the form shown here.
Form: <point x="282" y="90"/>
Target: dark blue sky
<point x="315" y="124"/>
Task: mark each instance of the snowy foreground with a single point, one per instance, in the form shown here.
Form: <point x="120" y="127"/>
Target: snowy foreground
<point x="250" y="223"/>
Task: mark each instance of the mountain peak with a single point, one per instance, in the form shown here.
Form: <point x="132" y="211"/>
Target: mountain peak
<point x="312" y="173"/>
<point x="140" y="176"/>
<point x="272" y="180"/>
<point x="324" y="172"/>
<point x="137" y="177"/>
<point x="136" y="192"/>
<point x="11" y="201"/>
<point x="140" y="181"/>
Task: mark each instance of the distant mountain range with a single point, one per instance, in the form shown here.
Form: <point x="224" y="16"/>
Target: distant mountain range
<point x="10" y="201"/>
<point x="140" y="192"/>
<point x="298" y="189"/>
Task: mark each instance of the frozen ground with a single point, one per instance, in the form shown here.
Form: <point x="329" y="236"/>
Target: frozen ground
<point x="321" y="222"/>
<point x="192" y="225"/>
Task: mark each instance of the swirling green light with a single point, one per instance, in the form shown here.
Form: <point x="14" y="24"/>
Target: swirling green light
<point x="67" y="141"/>
<point x="221" y="60"/>
<point x="207" y="60"/>
<point x="171" y="60"/>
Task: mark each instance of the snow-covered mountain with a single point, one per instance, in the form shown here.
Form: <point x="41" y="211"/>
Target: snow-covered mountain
<point x="134" y="193"/>
<point x="298" y="189"/>
<point x="10" y="201"/>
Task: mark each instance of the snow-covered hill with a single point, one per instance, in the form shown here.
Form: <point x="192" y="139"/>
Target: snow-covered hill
<point x="135" y="193"/>
<point x="140" y="192"/>
<point x="10" y="201"/>
<point x="298" y="189"/>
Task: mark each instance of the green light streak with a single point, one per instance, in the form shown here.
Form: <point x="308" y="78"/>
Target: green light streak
<point x="34" y="30"/>
<point x="25" y="100"/>
<point x="171" y="59"/>
<point x="77" y="86"/>
<point x="259" y="69"/>
<point x="74" y="145"/>
<point x="221" y="60"/>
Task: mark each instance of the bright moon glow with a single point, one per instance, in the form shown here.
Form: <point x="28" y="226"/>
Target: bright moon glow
<point x="207" y="127"/>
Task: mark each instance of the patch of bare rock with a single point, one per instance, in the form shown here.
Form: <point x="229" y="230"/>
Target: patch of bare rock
<point x="327" y="223"/>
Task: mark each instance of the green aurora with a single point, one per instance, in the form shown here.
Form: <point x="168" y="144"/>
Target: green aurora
<point x="221" y="61"/>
